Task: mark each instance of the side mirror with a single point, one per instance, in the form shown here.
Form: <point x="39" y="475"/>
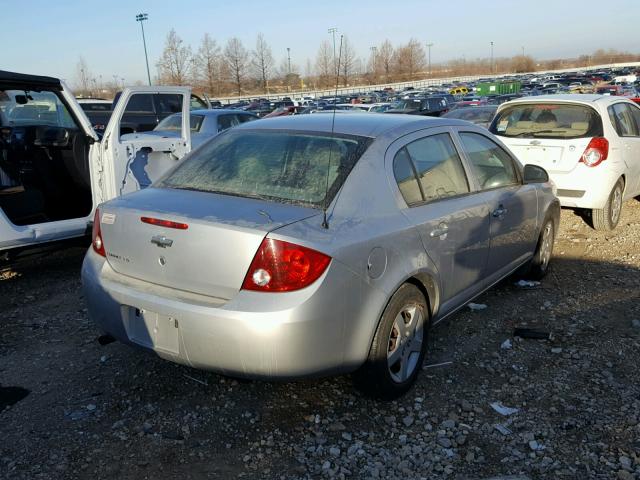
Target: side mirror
<point x="535" y="174"/>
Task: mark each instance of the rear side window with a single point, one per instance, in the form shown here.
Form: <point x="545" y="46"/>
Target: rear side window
<point x="197" y="104"/>
<point x="623" y="120"/>
<point x="283" y="166"/>
<point x="227" y="121"/>
<point x="437" y="168"/>
<point x="492" y="166"/>
<point x="406" y="178"/>
<point x="547" y="120"/>
<point x="245" y="118"/>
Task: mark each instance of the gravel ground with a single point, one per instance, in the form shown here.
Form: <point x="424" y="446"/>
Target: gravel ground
<point x="113" y="412"/>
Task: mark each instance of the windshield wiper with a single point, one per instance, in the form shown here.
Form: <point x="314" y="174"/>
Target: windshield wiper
<point x="533" y="134"/>
<point x="545" y="131"/>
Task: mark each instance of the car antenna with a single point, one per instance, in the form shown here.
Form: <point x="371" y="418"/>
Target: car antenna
<point x="325" y="223"/>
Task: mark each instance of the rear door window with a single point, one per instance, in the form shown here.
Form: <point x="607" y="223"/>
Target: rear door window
<point x="437" y="166"/>
<point x="492" y="166"/>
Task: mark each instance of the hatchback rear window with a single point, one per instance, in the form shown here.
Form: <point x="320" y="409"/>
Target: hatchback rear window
<point x="547" y="120"/>
<point x="285" y="166"/>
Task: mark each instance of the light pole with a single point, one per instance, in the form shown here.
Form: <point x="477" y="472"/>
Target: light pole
<point x="289" y="60"/>
<point x="333" y="31"/>
<point x="523" y="51"/>
<point x="141" y="17"/>
<point x="492" y="58"/>
<point x="374" y="54"/>
<point x="429" y="45"/>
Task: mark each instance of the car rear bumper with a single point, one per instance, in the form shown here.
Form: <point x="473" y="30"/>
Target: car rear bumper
<point x="585" y="187"/>
<point x="255" y="335"/>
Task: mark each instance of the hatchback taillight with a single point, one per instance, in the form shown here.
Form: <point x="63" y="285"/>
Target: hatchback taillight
<point x="96" y="235"/>
<point x="596" y="152"/>
<point x="280" y="266"/>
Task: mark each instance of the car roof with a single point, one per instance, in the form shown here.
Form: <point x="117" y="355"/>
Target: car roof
<point x="19" y="80"/>
<point x="569" y="98"/>
<point x="365" y="125"/>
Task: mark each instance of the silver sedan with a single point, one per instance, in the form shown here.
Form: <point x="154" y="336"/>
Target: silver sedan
<point x="307" y="245"/>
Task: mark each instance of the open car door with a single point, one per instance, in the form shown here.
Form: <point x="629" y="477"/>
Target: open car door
<point x="45" y="173"/>
<point x="129" y="161"/>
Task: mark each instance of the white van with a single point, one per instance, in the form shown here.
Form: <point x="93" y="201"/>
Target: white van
<point x="55" y="169"/>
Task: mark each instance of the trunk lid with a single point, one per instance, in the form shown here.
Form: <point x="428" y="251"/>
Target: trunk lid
<point x="554" y="155"/>
<point x="209" y="257"/>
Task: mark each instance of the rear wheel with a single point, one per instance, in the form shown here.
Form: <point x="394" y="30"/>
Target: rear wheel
<point x="538" y="266"/>
<point x="607" y="218"/>
<point x="398" y="347"/>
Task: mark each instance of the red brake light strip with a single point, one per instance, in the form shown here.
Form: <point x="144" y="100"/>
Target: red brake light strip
<point x="164" y="223"/>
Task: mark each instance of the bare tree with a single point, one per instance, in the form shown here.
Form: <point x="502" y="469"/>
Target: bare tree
<point x="236" y="58"/>
<point x="173" y="66"/>
<point x="262" y="61"/>
<point x="83" y="76"/>
<point x="384" y="58"/>
<point x="522" y="64"/>
<point x="207" y="63"/>
<point x="347" y="59"/>
<point x="410" y="59"/>
<point x="324" y="64"/>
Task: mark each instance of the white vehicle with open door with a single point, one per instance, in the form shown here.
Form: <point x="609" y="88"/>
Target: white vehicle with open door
<point x="55" y="169"/>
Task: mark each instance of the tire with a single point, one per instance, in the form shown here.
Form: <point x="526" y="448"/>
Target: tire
<point x="607" y="218"/>
<point x="538" y="266"/>
<point x="393" y="365"/>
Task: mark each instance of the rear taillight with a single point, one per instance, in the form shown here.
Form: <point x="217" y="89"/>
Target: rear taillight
<point x="96" y="235"/>
<point x="596" y="152"/>
<point x="282" y="267"/>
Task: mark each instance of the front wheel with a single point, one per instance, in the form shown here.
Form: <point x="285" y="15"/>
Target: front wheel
<point x="607" y="218"/>
<point x="398" y="347"/>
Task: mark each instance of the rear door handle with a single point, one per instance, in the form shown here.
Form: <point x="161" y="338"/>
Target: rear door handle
<point x="500" y="212"/>
<point x="442" y="230"/>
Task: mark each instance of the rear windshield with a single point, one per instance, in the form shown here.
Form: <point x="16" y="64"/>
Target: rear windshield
<point x="284" y="166"/>
<point x="547" y="120"/>
<point x="96" y="107"/>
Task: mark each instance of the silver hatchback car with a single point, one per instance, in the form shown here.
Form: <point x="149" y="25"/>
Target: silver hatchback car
<point x="307" y="245"/>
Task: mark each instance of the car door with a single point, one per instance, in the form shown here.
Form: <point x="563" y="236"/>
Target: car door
<point x="452" y="221"/>
<point x="62" y="111"/>
<point x="126" y="163"/>
<point x="513" y="205"/>
<point x="626" y="120"/>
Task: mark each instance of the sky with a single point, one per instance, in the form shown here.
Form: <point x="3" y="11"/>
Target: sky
<point x="48" y="37"/>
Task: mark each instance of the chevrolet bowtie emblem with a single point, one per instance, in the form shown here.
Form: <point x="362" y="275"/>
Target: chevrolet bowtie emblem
<point x="161" y="241"/>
